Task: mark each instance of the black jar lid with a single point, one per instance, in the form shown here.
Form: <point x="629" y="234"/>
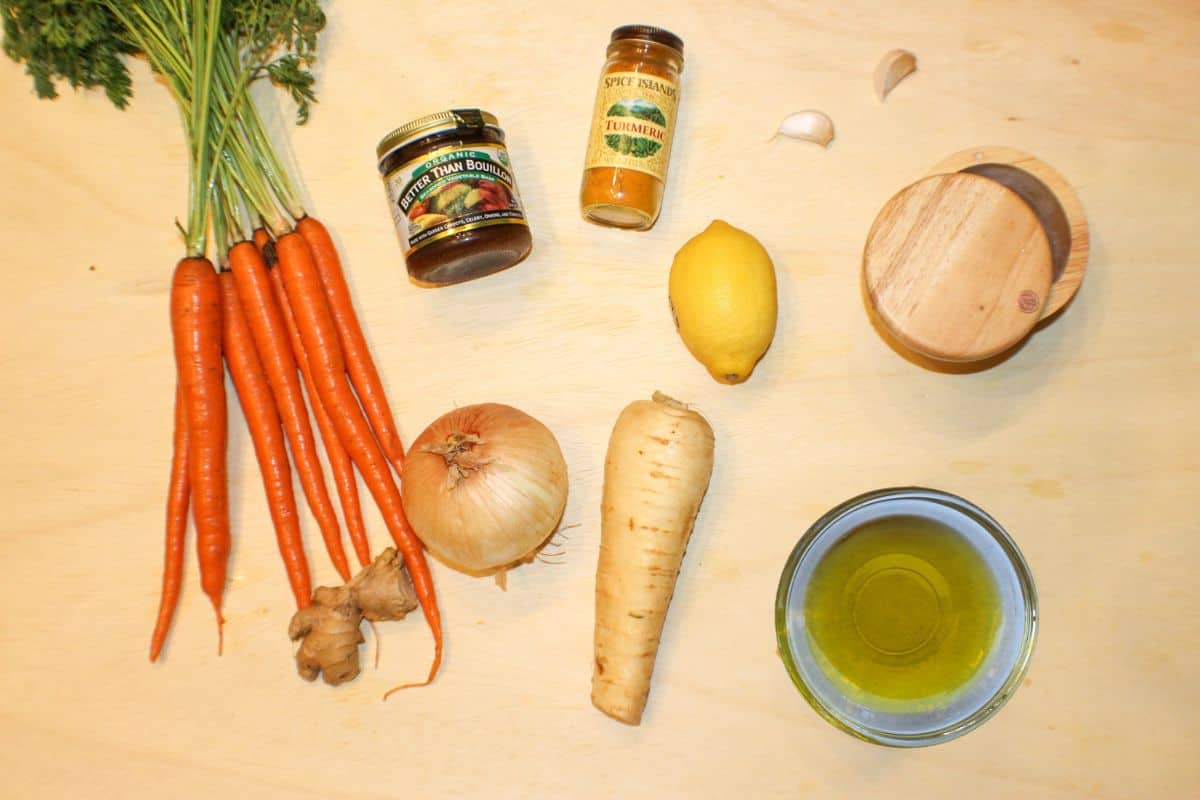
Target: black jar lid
<point x="648" y="33"/>
<point x="456" y="119"/>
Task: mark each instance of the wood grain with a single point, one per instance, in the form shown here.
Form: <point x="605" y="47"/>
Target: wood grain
<point x="957" y="266"/>
<point x="1083" y="444"/>
<point x="1068" y="277"/>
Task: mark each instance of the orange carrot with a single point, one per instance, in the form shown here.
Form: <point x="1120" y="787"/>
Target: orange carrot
<point x="196" y="330"/>
<point x="357" y="355"/>
<point x="339" y="461"/>
<point x="262" y="418"/>
<point x="261" y="239"/>
<point x="271" y="340"/>
<point x="319" y="336"/>
<point x="177" y="509"/>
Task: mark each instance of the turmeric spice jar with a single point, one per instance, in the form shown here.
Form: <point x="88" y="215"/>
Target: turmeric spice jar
<point x="453" y="197"/>
<point x="634" y="119"/>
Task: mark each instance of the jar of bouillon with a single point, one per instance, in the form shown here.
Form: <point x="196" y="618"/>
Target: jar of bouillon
<point x="453" y="197"/>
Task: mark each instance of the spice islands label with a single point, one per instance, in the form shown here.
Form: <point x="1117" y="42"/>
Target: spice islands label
<point x="633" y="123"/>
<point x="452" y="190"/>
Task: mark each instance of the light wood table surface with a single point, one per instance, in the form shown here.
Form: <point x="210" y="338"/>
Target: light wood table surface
<point x="1084" y="444"/>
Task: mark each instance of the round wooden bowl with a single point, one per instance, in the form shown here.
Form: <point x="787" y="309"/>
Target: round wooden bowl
<point x="960" y="266"/>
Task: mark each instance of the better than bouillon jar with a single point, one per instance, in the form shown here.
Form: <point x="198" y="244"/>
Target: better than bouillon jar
<point x="453" y="197"/>
<point x="634" y="120"/>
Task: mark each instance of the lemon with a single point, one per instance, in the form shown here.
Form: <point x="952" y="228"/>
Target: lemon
<point x="722" y="291"/>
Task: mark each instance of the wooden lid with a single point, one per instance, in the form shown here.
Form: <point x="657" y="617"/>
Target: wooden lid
<point x="1050" y="197"/>
<point x="958" y="267"/>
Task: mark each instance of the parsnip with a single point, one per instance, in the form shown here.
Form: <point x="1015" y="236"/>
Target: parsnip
<point x="660" y="459"/>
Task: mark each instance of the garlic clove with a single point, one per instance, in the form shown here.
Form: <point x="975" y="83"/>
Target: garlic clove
<point x="895" y="66"/>
<point x="810" y="125"/>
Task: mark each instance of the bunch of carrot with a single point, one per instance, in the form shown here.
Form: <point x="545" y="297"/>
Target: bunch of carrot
<point x="278" y="312"/>
<point x="281" y="313"/>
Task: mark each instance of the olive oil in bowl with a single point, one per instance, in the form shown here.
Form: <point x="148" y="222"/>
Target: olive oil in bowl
<point x="906" y="617"/>
<point x="902" y="610"/>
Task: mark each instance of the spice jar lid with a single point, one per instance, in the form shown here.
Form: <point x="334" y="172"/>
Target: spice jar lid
<point x="648" y="33"/>
<point x="957" y="267"/>
<point x="436" y="123"/>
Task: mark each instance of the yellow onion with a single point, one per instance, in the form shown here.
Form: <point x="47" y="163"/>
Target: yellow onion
<point x="485" y="486"/>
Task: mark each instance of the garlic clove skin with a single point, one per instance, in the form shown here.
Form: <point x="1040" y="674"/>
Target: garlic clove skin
<point x="809" y="125"/>
<point x="895" y="66"/>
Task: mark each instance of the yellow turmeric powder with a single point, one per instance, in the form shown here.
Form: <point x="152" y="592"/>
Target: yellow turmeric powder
<point x="634" y="120"/>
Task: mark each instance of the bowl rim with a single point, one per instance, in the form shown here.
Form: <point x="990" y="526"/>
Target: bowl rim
<point x="1017" y="670"/>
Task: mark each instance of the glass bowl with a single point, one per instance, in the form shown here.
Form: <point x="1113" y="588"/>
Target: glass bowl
<point x="992" y="683"/>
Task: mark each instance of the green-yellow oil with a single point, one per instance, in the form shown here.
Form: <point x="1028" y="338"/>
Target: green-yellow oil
<point x="902" y="612"/>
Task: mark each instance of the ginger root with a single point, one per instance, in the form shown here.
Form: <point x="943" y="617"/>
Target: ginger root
<point x="330" y="629"/>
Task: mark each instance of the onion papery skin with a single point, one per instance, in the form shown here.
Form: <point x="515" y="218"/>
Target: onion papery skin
<point x="506" y="500"/>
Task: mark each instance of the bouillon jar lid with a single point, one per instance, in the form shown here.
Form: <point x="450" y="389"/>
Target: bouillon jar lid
<point x="648" y="33"/>
<point x="436" y="123"/>
<point x="960" y="266"/>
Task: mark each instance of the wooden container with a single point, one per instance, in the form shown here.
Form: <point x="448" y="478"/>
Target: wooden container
<point x="960" y="266"/>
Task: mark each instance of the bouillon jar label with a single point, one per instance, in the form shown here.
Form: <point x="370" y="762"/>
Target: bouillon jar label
<point x="452" y="190"/>
<point x="633" y="123"/>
